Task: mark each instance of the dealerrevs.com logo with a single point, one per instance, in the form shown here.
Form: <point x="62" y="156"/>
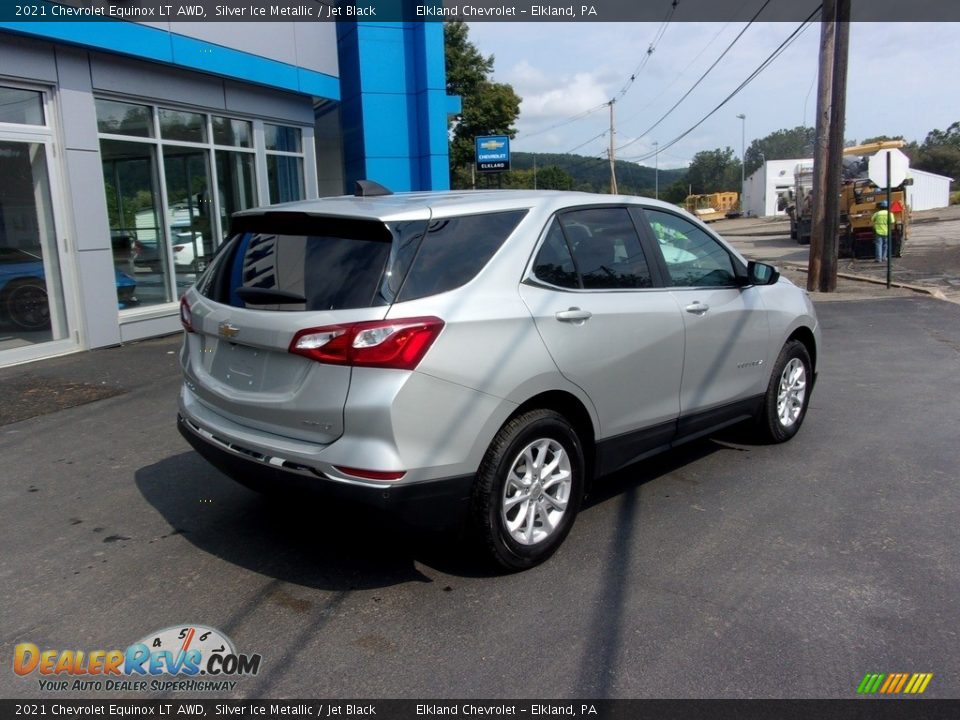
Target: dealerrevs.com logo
<point x="182" y="657"/>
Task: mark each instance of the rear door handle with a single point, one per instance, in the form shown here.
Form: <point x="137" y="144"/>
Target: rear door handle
<point x="574" y="315"/>
<point x="697" y="307"/>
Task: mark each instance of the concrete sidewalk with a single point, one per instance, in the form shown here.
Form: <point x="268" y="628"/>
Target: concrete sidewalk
<point x="46" y="386"/>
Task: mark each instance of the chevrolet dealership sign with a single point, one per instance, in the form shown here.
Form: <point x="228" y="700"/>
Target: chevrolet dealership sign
<point x="493" y="153"/>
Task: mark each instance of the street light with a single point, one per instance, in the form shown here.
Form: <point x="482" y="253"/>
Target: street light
<point x="656" y="163"/>
<point x="743" y="154"/>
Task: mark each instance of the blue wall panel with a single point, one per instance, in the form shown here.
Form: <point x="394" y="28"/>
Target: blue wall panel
<point x="393" y="74"/>
<point x="151" y="43"/>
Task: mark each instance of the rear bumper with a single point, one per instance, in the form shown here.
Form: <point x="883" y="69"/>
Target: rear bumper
<point x="434" y="504"/>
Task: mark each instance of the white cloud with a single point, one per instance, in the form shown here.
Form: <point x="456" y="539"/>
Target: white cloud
<point x="569" y="96"/>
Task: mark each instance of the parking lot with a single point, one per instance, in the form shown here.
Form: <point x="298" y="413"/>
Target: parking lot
<point x="719" y="570"/>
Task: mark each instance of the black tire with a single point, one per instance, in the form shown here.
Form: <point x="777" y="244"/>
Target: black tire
<point x="542" y="432"/>
<point x="27" y="306"/>
<point x="772" y="426"/>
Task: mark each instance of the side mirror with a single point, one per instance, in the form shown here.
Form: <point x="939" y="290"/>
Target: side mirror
<point x="761" y="274"/>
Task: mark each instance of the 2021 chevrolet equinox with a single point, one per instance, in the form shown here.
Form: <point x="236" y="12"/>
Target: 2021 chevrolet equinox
<point x="478" y="357"/>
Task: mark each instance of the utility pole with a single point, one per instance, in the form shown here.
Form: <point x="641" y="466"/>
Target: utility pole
<point x="613" y="169"/>
<point x="656" y="172"/>
<point x="534" y="171"/>
<point x="828" y="149"/>
<point x="828" y="267"/>
<point x="743" y="154"/>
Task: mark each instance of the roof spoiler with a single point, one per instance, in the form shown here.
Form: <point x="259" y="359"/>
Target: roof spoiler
<point x="369" y="188"/>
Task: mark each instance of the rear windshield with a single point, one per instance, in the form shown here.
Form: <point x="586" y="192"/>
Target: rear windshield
<point x="298" y="262"/>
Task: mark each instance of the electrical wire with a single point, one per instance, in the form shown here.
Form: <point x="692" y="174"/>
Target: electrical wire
<point x="567" y="121"/>
<point x="623" y="91"/>
<point x="595" y="137"/>
<point x="650" y="50"/>
<point x="700" y="79"/>
<point x="763" y="66"/>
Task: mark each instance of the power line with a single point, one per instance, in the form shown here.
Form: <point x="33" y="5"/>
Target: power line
<point x="595" y="137"/>
<point x="623" y="91"/>
<point x="700" y="79"/>
<point x="680" y="74"/>
<point x="567" y="121"/>
<point x="650" y="50"/>
<point x="763" y="66"/>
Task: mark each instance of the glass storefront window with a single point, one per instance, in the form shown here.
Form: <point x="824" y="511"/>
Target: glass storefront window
<point x="119" y="118"/>
<point x="133" y="202"/>
<point x="236" y="179"/>
<point x="285" y="178"/>
<point x="190" y="217"/>
<point x="169" y="195"/>
<point x="282" y="138"/>
<point x="23" y="107"/>
<point x="31" y="293"/>
<point x="229" y="131"/>
<point x="177" y="125"/>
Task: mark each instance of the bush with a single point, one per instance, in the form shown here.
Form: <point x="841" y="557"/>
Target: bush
<point x="955" y="198"/>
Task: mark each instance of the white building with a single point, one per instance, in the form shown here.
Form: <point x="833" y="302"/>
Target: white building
<point x="764" y="188"/>
<point x="928" y="190"/>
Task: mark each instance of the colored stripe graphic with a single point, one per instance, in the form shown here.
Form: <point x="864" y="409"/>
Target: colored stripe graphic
<point x="894" y="683"/>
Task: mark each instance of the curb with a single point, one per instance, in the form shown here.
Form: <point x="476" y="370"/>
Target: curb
<point x="923" y="290"/>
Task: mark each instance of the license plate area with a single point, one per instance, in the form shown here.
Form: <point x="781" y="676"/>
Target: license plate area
<point x="240" y="366"/>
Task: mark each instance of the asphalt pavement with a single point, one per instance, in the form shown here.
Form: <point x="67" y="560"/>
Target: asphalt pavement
<point x="722" y="569"/>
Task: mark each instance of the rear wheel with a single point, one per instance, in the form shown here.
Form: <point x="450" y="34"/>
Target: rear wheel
<point x="788" y="394"/>
<point x="528" y="489"/>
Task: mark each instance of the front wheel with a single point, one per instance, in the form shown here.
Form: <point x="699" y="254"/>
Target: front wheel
<point x="528" y="489"/>
<point x="788" y="394"/>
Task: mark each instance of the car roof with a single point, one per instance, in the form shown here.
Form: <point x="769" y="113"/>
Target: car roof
<point x="414" y="205"/>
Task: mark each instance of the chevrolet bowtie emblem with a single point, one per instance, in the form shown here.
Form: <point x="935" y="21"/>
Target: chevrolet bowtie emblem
<point x="227" y="330"/>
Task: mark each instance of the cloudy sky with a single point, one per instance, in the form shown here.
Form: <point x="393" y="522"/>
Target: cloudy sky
<point x="904" y="79"/>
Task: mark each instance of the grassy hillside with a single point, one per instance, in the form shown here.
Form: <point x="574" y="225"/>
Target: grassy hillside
<point x="593" y="174"/>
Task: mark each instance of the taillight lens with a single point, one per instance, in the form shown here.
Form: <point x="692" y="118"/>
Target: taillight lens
<point x="371" y="474"/>
<point x="186" y="316"/>
<point x="399" y="344"/>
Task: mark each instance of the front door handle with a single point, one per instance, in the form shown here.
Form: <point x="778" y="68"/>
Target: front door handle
<point x="574" y="315"/>
<point x="697" y="307"/>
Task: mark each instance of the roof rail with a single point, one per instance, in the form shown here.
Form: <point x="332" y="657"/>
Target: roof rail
<point x="369" y="188"/>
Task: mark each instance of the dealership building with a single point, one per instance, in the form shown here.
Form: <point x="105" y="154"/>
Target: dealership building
<point x="125" y="148"/>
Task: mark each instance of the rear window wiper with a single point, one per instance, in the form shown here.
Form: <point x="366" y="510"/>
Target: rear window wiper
<point x="268" y="296"/>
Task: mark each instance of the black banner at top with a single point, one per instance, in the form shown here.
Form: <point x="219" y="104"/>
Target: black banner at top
<point x="496" y="709"/>
<point x="473" y="11"/>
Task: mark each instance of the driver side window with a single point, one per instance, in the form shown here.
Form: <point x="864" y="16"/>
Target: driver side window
<point x="693" y="258"/>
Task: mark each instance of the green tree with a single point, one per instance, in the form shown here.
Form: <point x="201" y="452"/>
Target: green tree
<point x="675" y="192"/>
<point x="488" y="108"/>
<point x="940" y="152"/>
<point x="780" y="145"/>
<point x="553" y="178"/>
<point x="714" y="171"/>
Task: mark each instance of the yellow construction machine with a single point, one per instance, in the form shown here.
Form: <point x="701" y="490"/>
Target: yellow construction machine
<point x="715" y="206"/>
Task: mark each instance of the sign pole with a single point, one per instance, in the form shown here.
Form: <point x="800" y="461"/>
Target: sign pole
<point x="889" y="225"/>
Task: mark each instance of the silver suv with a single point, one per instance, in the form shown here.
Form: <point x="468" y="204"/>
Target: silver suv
<point x="479" y="357"/>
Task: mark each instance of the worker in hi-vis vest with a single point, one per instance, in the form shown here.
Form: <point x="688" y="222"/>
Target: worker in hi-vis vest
<point x="883" y="222"/>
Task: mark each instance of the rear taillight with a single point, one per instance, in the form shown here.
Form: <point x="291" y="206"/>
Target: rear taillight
<point x="186" y="317"/>
<point x="399" y="344"/>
